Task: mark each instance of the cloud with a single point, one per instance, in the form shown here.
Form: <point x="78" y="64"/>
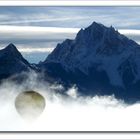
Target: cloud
<point x="33" y="40"/>
<point x="30" y="50"/>
<point x="37" y="32"/>
<point x="34" y="20"/>
<point x="70" y="17"/>
<point x="35" y="37"/>
<point x="46" y="33"/>
<point x="99" y="113"/>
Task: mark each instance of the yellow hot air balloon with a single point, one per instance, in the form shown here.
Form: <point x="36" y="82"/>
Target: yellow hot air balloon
<point x="30" y="104"/>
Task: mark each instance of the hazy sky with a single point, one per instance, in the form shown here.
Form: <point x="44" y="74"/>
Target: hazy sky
<point x="77" y="17"/>
<point x="34" y="28"/>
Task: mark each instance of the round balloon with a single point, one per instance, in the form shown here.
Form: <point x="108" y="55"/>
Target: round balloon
<point x="30" y="104"/>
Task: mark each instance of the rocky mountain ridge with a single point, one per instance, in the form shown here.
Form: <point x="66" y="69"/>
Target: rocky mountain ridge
<point x="99" y="61"/>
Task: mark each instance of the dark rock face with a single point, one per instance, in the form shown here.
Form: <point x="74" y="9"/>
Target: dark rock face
<point x="100" y="61"/>
<point x="12" y="62"/>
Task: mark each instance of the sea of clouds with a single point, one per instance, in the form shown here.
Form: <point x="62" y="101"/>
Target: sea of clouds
<point x="73" y="113"/>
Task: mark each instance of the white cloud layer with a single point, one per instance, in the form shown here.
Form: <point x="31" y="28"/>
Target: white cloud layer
<point x="34" y="32"/>
<point x="67" y="114"/>
<point x="31" y="50"/>
<point x="34" y="39"/>
<point x="37" y="29"/>
<point x="52" y="33"/>
<point x="29" y="36"/>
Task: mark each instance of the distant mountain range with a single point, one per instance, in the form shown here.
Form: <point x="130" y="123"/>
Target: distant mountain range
<point x="99" y="61"/>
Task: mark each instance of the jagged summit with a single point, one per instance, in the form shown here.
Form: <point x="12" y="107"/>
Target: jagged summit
<point x="11" y="46"/>
<point x="11" y="52"/>
<point x="90" y="43"/>
<point x="96" y="25"/>
<point x="94" y="29"/>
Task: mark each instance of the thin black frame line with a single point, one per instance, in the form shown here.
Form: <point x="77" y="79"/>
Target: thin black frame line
<point x="75" y="139"/>
<point x="71" y="132"/>
<point x="66" y="5"/>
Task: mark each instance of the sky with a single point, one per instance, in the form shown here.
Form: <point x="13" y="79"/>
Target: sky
<point x="37" y="30"/>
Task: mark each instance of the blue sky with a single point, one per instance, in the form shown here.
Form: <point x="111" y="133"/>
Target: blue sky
<point x="75" y="17"/>
<point x="57" y="24"/>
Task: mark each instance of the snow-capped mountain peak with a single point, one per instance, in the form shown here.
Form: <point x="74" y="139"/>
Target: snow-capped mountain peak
<point x="100" y="46"/>
<point x="99" y="61"/>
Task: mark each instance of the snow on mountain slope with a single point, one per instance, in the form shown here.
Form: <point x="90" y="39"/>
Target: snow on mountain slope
<point x="101" y="46"/>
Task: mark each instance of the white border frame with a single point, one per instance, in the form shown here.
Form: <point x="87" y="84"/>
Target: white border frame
<point x="69" y="3"/>
<point x="35" y="136"/>
<point x="52" y="136"/>
<point x="69" y="137"/>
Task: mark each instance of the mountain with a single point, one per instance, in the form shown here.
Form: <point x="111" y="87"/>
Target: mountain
<point x="12" y="62"/>
<point x="99" y="61"/>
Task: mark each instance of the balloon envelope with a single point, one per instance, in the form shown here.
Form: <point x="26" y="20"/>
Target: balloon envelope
<point x="30" y="104"/>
